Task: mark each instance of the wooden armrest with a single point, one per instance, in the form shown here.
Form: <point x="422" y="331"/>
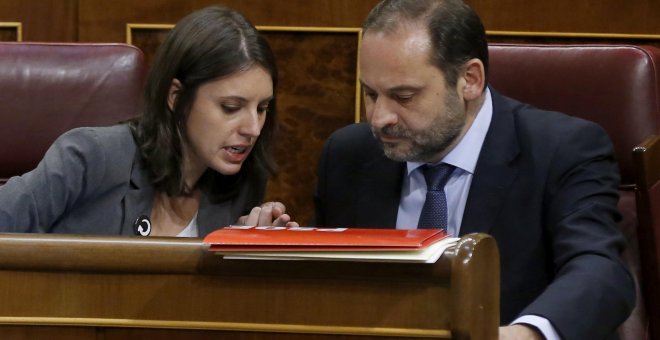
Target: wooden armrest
<point x="646" y="159"/>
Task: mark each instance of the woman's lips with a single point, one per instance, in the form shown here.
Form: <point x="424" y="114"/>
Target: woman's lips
<point x="237" y="153"/>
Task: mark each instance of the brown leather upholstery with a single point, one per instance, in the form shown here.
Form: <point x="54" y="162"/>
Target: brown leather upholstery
<point x="615" y="86"/>
<point x="49" y="88"/>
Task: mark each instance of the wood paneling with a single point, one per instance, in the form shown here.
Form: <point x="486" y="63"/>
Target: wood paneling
<point x="105" y="21"/>
<point x="43" y="20"/>
<point x="47" y="332"/>
<point x="316" y="96"/>
<point x="147" y="38"/>
<point x="593" y="16"/>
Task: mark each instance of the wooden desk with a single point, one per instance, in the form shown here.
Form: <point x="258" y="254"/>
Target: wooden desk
<point x="89" y="287"/>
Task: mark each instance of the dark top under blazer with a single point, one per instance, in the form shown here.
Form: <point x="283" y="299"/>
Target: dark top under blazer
<point x="91" y="181"/>
<point x="545" y="186"/>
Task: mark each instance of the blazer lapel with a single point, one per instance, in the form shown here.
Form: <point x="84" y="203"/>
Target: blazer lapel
<point x="214" y="216"/>
<point x="495" y="170"/>
<point x="139" y="198"/>
<point x="139" y="202"/>
<point x="378" y="197"/>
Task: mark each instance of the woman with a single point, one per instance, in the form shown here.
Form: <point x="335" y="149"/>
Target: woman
<point x="196" y="160"/>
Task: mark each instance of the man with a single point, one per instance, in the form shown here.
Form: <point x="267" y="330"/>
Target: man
<point x="542" y="183"/>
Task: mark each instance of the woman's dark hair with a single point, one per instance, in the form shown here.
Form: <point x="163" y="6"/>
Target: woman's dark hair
<point x="207" y="45"/>
<point x="456" y="31"/>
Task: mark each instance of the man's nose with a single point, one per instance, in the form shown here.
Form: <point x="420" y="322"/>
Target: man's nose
<point x="381" y="114"/>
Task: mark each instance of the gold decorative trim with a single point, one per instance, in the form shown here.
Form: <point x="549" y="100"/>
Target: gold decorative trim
<point x="302" y="29"/>
<point x="311" y="29"/>
<point x="131" y="27"/>
<point x="358" y="85"/>
<point x="227" y="326"/>
<point x="573" y="35"/>
<point x="17" y="25"/>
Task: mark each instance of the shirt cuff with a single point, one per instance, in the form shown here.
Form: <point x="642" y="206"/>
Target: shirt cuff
<point x="542" y="324"/>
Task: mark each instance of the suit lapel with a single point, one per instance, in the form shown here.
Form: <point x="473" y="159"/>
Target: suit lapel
<point x="379" y="193"/>
<point x="139" y="198"/>
<point x="139" y="201"/>
<point x="495" y="170"/>
<point x="214" y="216"/>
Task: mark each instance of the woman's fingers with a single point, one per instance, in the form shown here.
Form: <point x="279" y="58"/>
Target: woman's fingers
<point x="268" y="214"/>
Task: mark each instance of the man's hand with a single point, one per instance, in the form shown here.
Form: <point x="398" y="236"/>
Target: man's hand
<point x="519" y="332"/>
<point x="268" y="214"/>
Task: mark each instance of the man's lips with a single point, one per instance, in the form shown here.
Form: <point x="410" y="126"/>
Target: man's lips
<point x="389" y="139"/>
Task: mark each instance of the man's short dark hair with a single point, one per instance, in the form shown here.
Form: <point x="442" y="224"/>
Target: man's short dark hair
<point x="456" y="31"/>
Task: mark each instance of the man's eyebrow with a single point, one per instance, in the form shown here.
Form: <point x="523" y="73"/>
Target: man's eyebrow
<point x="402" y="88"/>
<point x="398" y="88"/>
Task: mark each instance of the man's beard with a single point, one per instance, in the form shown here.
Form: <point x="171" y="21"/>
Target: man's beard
<point x="428" y="143"/>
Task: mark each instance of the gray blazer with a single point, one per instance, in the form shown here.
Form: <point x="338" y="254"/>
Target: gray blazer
<point x="91" y="181"/>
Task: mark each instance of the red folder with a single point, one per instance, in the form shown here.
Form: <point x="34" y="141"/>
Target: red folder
<point x="248" y="238"/>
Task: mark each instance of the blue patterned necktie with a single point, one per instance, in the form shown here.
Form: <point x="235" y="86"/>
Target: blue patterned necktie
<point x="434" y="212"/>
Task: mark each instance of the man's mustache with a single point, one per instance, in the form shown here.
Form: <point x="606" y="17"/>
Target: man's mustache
<point x="392" y="131"/>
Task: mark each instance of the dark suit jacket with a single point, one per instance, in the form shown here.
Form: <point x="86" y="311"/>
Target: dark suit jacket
<point x="545" y="186"/>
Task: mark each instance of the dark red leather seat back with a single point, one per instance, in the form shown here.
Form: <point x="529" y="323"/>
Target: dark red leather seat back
<point x="49" y="88"/>
<point x="613" y="85"/>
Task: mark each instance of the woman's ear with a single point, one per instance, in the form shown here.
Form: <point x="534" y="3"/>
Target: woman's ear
<point x="172" y="95"/>
<point x="473" y="79"/>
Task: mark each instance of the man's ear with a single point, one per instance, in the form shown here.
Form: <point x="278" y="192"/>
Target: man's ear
<point x="173" y="94"/>
<point x="472" y="80"/>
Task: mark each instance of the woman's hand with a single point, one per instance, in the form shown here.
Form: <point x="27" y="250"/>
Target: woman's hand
<point x="268" y="214"/>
